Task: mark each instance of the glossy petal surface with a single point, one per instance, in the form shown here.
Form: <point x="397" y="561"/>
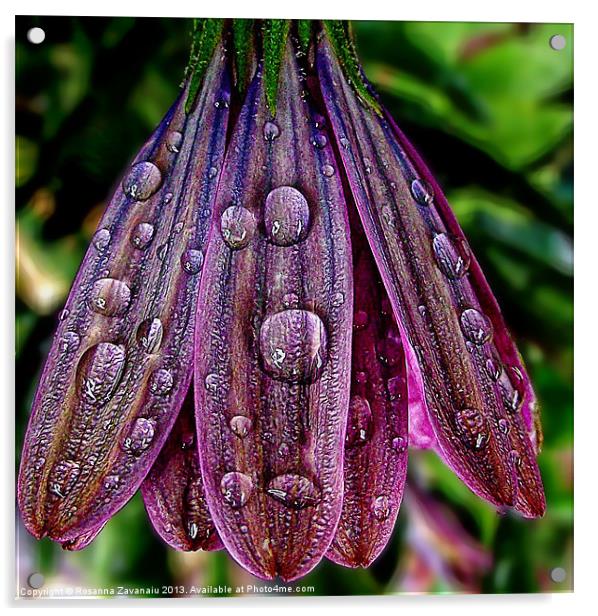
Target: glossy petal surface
<point x="273" y="338"/>
<point x="120" y="363"/>
<point x="478" y="397"/>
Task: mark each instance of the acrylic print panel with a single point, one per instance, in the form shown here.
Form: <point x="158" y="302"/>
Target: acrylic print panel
<point x="262" y="346"/>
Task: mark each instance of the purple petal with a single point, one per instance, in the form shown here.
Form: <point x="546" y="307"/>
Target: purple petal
<point x="376" y="443"/>
<point x="173" y="491"/>
<point x="474" y="381"/>
<point x="273" y="338"/>
<point x="73" y="545"/>
<point x="120" y="364"/>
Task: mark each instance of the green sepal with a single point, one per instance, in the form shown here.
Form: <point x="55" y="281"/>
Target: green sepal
<point x="275" y="32"/>
<point x="304" y="34"/>
<point x="340" y="37"/>
<point x="206" y="36"/>
<point x="243" y="45"/>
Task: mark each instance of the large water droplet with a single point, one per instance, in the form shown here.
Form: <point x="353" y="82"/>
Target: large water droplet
<point x="140" y="436"/>
<point x="294" y="491"/>
<point x="422" y="192"/>
<point x="192" y="261"/>
<point x="63" y="477"/>
<point x="174" y="140"/>
<point x="512" y="388"/>
<point x="99" y="371"/>
<point x="293" y="344"/>
<point x="161" y="382"/>
<point x="381" y="507"/>
<point x="142" y="235"/>
<point x="109" y="297"/>
<point x="271" y="131"/>
<point x="452" y="255"/>
<point x="286" y="216"/>
<point x="472" y="426"/>
<point x="101" y="239"/>
<point x="359" y="425"/>
<point x="328" y="170"/>
<point x="236" y="489"/>
<point x="237" y="226"/>
<point x="476" y="326"/>
<point x="241" y="425"/>
<point x="142" y="181"/>
<point x="149" y="335"/>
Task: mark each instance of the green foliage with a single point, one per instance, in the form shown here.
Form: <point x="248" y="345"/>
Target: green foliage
<point x="489" y="106"/>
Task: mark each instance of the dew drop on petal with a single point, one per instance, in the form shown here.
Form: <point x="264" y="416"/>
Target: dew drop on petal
<point x="174" y="140"/>
<point x="381" y="508"/>
<point x="452" y="255"/>
<point x="359" y="424"/>
<point x="192" y="261"/>
<point x="161" y="382"/>
<point x="422" y="192"/>
<point x="472" y="427"/>
<point x="237" y="226"/>
<point x="142" y="235"/>
<point x="319" y="141"/>
<point x="293" y="345"/>
<point x="140" y="436"/>
<point x="241" y="425"/>
<point x="101" y="239"/>
<point x="399" y="444"/>
<point x="328" y="170"/>
<point x="109" y="297"/>
<point x="286" y="216"/>
<point x="149" y="335"/>
<point x="476" y="327"/>
<point x="70" y="342"/>
<point x="236" y="489"/>
<point x="271" y="131"/>
<point x="99" y="372"/>
<point x="294" y="491"/>
<point x="142" y="181"/>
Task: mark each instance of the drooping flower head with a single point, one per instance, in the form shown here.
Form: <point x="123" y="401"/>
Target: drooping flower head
<point x="279" y="243"/>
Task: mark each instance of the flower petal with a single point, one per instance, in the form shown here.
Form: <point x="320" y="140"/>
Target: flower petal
<point x="376" y="443"/>
<point x="273" y="338"/>
<point x="474" y="380"/>
<point x="120" y="363"/>
<point x="173" y="491"/>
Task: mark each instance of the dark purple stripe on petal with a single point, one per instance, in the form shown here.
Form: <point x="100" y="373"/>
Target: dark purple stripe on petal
<point x="376" y="442"/>
<point x="446" y="311"/>
<point x="120" y="363"/>
<point x="273" y="339"/>
<point x="173" y="491"/>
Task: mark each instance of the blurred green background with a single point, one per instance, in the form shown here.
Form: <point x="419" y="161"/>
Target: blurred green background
<point x="490" y="108"/>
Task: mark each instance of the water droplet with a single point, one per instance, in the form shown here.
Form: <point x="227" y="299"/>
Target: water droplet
<point x="390" y="351"/>
<point x="187" y="440"/>
<point x="212" y="382"/>
<point x="140" y="436"/>
<point x="64" y="314"/>
<point x="344" y="142"/>
<point x="381" y="507"/>
<point x="142" y="235"/>
<point x="319" y="120"/>
<point x="293" y="344"/>
<point x="70" y="342"/>
<point x="271" y="131"/>
<point x="162" y="382"/>
<point x="99" y="372"/>
<point x="514" y="458"/>
<point x="319" y="141"/>
<point x="286" y="216"/>
<point x="167" y="198"/>
<point x="111" y="482"/>
<point x="101" y="239"/>
<point x="399" y="444"/>
<point x="174" y="141"/>
<point x="359" y="425"/>
<point x="361" y="377"/>
<point x="328" y="170"/>
<point x="476" y="327"/>
<point x="422" y="192"/>
<point x="192" y="261"/>
<point x="494" y="368"/>
<point x="452" y="255"/>
<point x="503" y="426"/>
<point x="290" y="300"/>
<point x="142" y="181"/>
<point x="222" y="103"/>
<point x="396" y="387"/>
<point x="237" y="226"/>
<point x="109" y="297"/>
<point x="294" y="491"/>
<point x="63" y="477"/>
<point x="192" y="529"/>
<point x="472" y="426"/>
<point x="236" y="489"/>
<point x="162" y="251"/>
<point x="360" y="319"/>
<point x="241" y="425"/>
<point x="338" y="299"/>
<point x="512" y="388"/>
<point x="212" y="172"/>
<point x="149" y="335"/>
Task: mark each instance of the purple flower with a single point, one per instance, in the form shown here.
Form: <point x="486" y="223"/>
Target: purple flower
<point x="283" y="245"/>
